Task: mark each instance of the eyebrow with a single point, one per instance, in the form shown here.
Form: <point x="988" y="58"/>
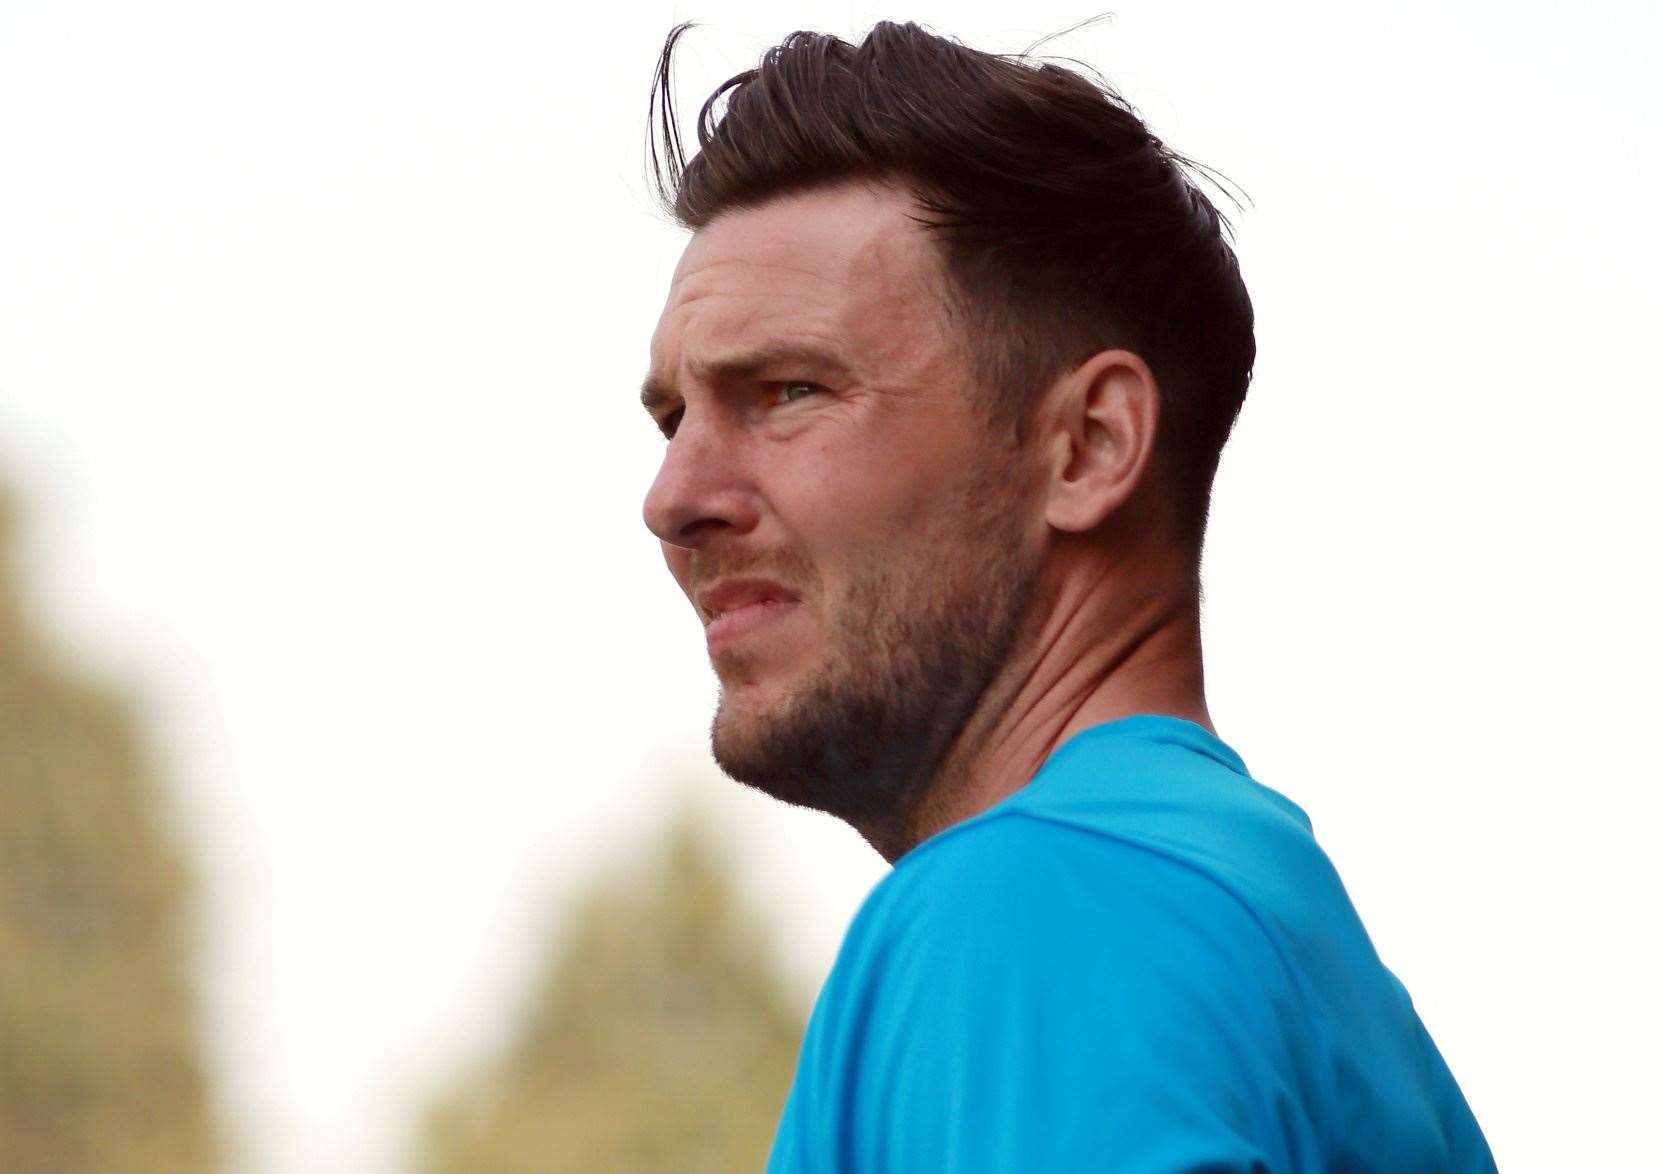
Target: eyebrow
<point x="658" y="392"/>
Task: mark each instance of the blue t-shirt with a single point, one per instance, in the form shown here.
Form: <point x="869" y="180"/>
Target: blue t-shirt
<point x="1140" y="962"/>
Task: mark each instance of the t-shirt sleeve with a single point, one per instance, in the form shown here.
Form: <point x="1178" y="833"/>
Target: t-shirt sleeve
<point x="1021" y="996"/>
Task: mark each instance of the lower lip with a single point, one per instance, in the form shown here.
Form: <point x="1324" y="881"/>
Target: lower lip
<point x="745" y="621"/>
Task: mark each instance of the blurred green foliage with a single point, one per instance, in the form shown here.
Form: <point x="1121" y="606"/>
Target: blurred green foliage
<point x="662" y="1040"/>
<point x="98" y="1064"/>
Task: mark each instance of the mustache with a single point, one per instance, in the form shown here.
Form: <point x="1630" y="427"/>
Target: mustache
<point x="784" y="565"/>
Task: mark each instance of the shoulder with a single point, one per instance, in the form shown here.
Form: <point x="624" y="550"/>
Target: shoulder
<point x="1066" y="993"/>
<point x="1015" y="884"/>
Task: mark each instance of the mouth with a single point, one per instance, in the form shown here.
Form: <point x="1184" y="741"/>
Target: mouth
<point x="737" y="608"/>
<point x="741" y="622"/>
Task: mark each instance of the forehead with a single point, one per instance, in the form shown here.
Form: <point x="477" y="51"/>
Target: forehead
<point x="845" y="264"/>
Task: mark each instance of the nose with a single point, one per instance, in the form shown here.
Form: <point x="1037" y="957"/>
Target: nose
<point x="703" y="489"/>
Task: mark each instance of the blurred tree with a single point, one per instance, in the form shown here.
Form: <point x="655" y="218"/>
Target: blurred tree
<point x="98" y="1068"/>
<point x="660" y="1041"/>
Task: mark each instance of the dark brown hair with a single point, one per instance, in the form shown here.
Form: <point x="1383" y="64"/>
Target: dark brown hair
<point x="1066" y="227"/>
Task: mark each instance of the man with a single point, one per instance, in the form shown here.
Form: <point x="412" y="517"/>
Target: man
<point x="945" y="371"/>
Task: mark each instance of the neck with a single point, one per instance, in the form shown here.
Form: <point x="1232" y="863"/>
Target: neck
<point x="1095" y="651"/>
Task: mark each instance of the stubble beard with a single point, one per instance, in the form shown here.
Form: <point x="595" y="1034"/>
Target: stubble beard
<point x="912" y="649"/>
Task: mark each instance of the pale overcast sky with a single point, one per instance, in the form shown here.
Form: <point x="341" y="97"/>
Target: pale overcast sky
<point x="320" y="331"/>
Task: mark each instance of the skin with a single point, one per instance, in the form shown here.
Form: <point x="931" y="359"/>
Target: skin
<point x="966" y="601"/>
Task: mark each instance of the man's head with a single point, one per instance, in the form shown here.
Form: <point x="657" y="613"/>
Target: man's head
<point x="910" y="261"/>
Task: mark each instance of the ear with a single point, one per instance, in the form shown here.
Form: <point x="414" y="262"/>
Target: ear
<point x="1102" y="423"/>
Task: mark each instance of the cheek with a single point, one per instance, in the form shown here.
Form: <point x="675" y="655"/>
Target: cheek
<point x="852" y="522"/>
<point x="879" y="494"/>
<point x="858" y="494"/>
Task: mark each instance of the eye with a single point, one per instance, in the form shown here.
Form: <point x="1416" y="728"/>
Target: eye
<point x="670" y="422"/>
<point x="795" y="390"/>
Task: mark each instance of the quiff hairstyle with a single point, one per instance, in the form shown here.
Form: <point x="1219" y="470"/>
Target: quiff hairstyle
<point x="1066" y="227"/>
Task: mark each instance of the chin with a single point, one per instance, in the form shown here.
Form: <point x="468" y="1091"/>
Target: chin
<point x="756" y="735"/>
<point x="748" y="711"/>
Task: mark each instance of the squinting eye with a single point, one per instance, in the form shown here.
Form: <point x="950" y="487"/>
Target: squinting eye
<point x="786" y="390"/>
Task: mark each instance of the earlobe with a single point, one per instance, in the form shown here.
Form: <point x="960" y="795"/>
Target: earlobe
<point x="1106" y="412"/>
